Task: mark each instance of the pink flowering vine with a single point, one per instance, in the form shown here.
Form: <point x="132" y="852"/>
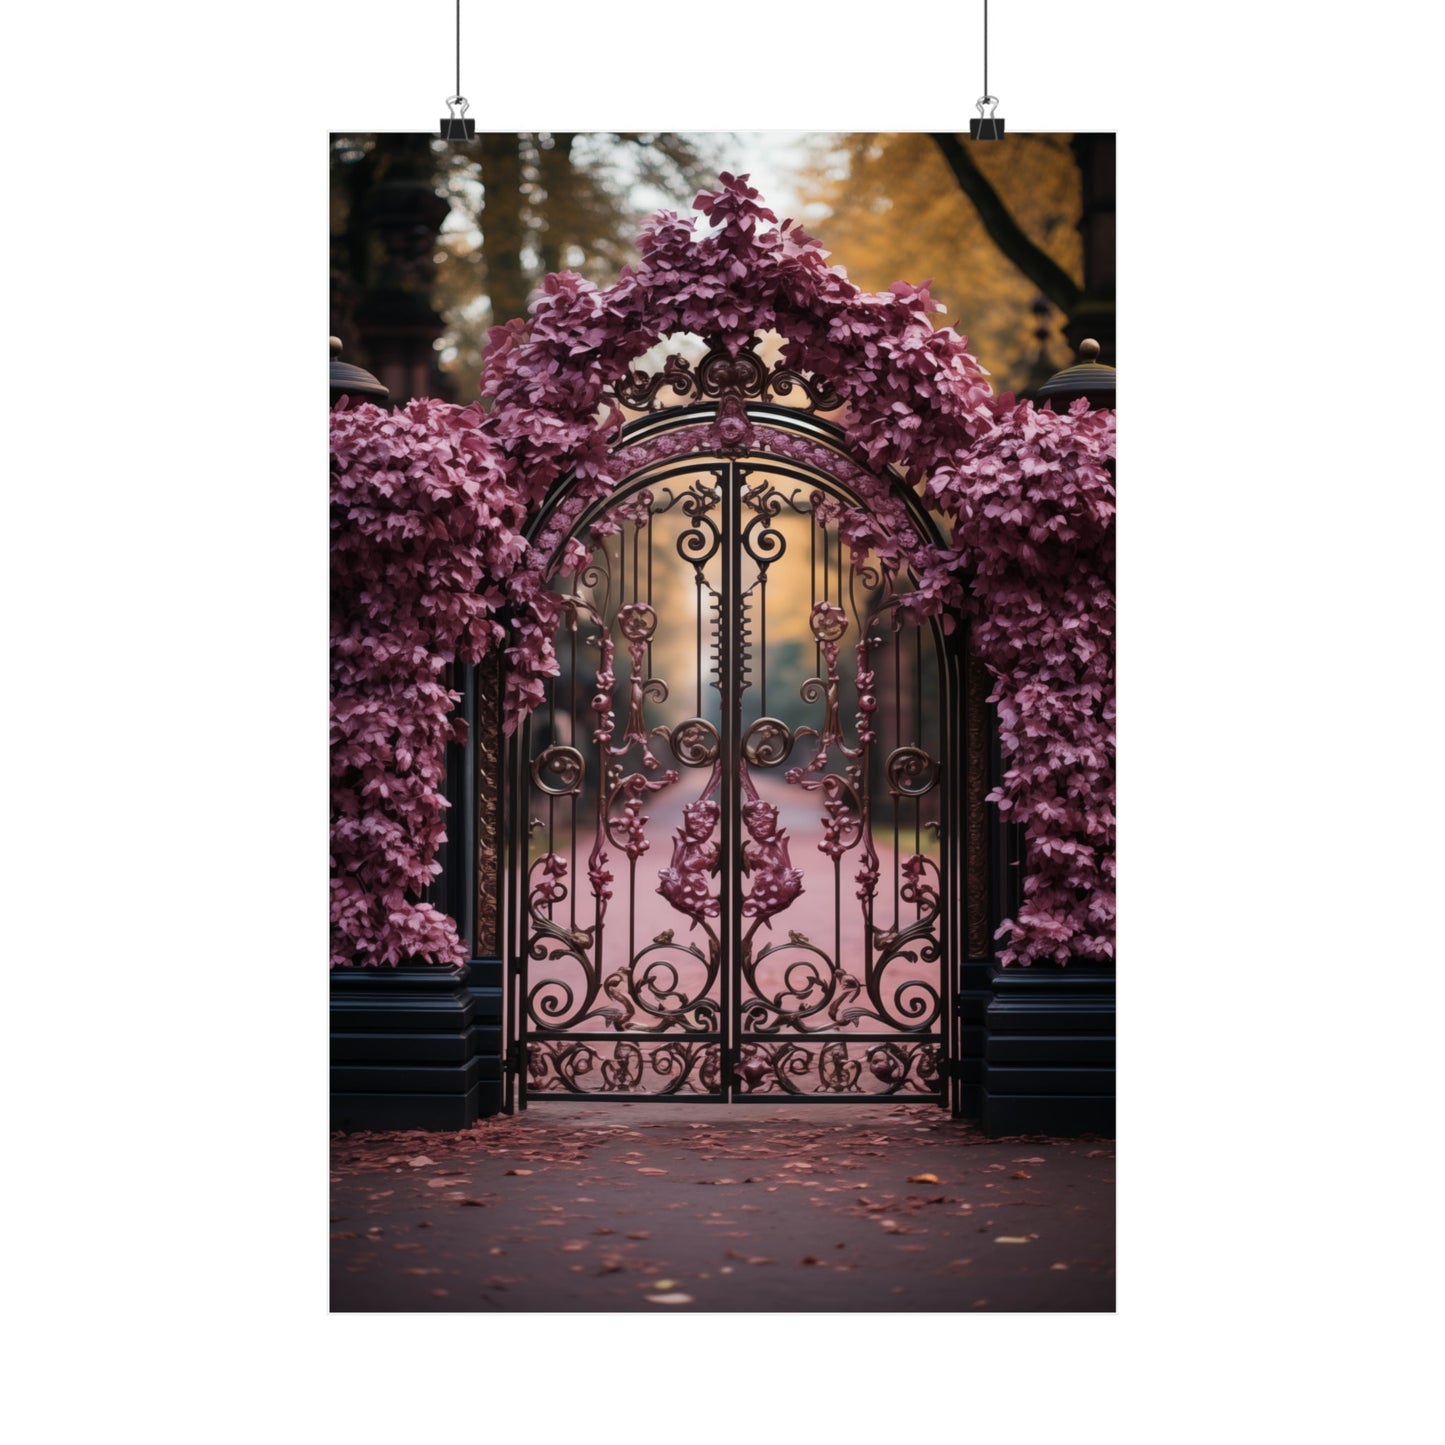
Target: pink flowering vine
<point x="424" y="523"/>
<point x="430" y="505"/>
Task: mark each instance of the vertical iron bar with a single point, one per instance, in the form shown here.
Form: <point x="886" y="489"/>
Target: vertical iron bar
<point x="813" y="585"/>
<point x="730" y="903"/>
<point x="763" y="646"/>
<point x="957" y="841"/>
<point x="573" y="798"/>
<point x="895" y="801"/>
<point x="825" y="561"/>
<point x="522" y="835"/>
<point x="918" y="740"/>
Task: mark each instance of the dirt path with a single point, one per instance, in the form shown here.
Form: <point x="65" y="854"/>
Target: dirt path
<point x="693" y="1208"/>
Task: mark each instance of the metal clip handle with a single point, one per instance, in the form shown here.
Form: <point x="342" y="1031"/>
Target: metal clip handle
<point x="452" y="102"/>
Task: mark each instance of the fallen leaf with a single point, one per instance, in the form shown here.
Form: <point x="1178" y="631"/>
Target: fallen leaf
<point x="923" y="1179"/>
<point x="652" y="1171"/>
<point x="1058" y="1266"/>
<point x="809" y="1259"/>
<point x="1035" y="1160"/>
<point x="521" y="1172"/>
<point x="422" y="1269"/>
<point x="346" y="1234"/>
<point x="473" y="1203"/>
<point x="669" y="1299"/>
<point x="663" y="1284"/>
<point x="571" y="1246"/>
<point x="420" y="1162"/>
<point x="1010" y="1239"/>
<point x="1020" y="1174"/>
<point x="638" y="1234"/>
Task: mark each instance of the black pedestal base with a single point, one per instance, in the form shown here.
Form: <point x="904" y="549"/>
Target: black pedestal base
<point x="1048" y="1053"/>
<point x="415" y="1047"/>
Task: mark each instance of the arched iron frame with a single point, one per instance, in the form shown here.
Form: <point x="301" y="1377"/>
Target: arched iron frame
<point x="957" y="842"/>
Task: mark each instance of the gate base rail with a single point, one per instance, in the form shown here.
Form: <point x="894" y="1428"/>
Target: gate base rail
<point x="420" y="1047"/>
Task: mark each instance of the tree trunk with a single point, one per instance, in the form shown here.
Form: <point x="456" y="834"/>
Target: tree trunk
<point x="556" y="167"/>
<point x="1004" y="231"/>
<point x="503" y="232"/>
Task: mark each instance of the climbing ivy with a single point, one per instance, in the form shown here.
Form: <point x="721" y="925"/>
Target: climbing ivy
<point x="430" y="504"/>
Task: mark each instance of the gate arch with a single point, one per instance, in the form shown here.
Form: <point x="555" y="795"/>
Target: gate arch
<point x="735" y="842"/>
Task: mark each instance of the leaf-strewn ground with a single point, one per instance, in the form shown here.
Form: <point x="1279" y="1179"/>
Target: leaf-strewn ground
<point x="688" y="1208"/>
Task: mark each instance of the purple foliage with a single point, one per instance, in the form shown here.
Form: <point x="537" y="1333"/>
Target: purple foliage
<point x="429" y="505"/>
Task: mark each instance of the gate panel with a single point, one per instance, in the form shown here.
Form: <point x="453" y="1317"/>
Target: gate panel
<point x="736" y="815"/>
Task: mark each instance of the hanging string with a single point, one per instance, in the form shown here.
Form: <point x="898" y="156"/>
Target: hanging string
<point x="456" y="127"/>
<point x="459" y="46"/>
<point x="986" y="127"/>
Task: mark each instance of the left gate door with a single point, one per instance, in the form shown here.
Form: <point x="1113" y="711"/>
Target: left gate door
<point x="735" y="830"/>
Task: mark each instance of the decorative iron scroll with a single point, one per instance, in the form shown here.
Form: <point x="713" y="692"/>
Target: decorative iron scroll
<point x="840" y="1067"/>
<point x="624" y="1066"/>
<point x="735" y="867"/>
<point x="720" y="374"/>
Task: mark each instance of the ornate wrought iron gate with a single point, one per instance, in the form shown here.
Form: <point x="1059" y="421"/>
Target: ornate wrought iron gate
<point x="735" y="849"/>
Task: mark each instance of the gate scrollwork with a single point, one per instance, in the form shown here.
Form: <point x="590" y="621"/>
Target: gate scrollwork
<point x="762" y="883"/>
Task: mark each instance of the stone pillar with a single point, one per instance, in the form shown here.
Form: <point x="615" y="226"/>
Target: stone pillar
<point x="1094" y="315"/>
<point x="401" y="214"/>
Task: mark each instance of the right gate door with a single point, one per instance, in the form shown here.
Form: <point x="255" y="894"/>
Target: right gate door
<point x="733" y="862"/>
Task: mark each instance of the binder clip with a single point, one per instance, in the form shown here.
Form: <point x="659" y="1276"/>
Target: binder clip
<point x="458" y="127"/>
<point x="986" y="127"/>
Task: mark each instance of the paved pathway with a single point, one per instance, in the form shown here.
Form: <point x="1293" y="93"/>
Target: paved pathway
<point x="689" y="1208"/>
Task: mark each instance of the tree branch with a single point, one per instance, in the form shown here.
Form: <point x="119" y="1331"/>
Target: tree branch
<point x="1004" y="231"/>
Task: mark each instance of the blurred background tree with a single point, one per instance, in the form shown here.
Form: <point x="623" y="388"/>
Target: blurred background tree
<point x="497" y="216"/>
<point x="432" y="243"/>
<point x="890" y="207"/>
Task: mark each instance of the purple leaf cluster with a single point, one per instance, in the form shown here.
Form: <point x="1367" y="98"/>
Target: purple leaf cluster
<point x="424" y="523"/>
<point x="1032" y="504"/>
<point x="430" y="504"/>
